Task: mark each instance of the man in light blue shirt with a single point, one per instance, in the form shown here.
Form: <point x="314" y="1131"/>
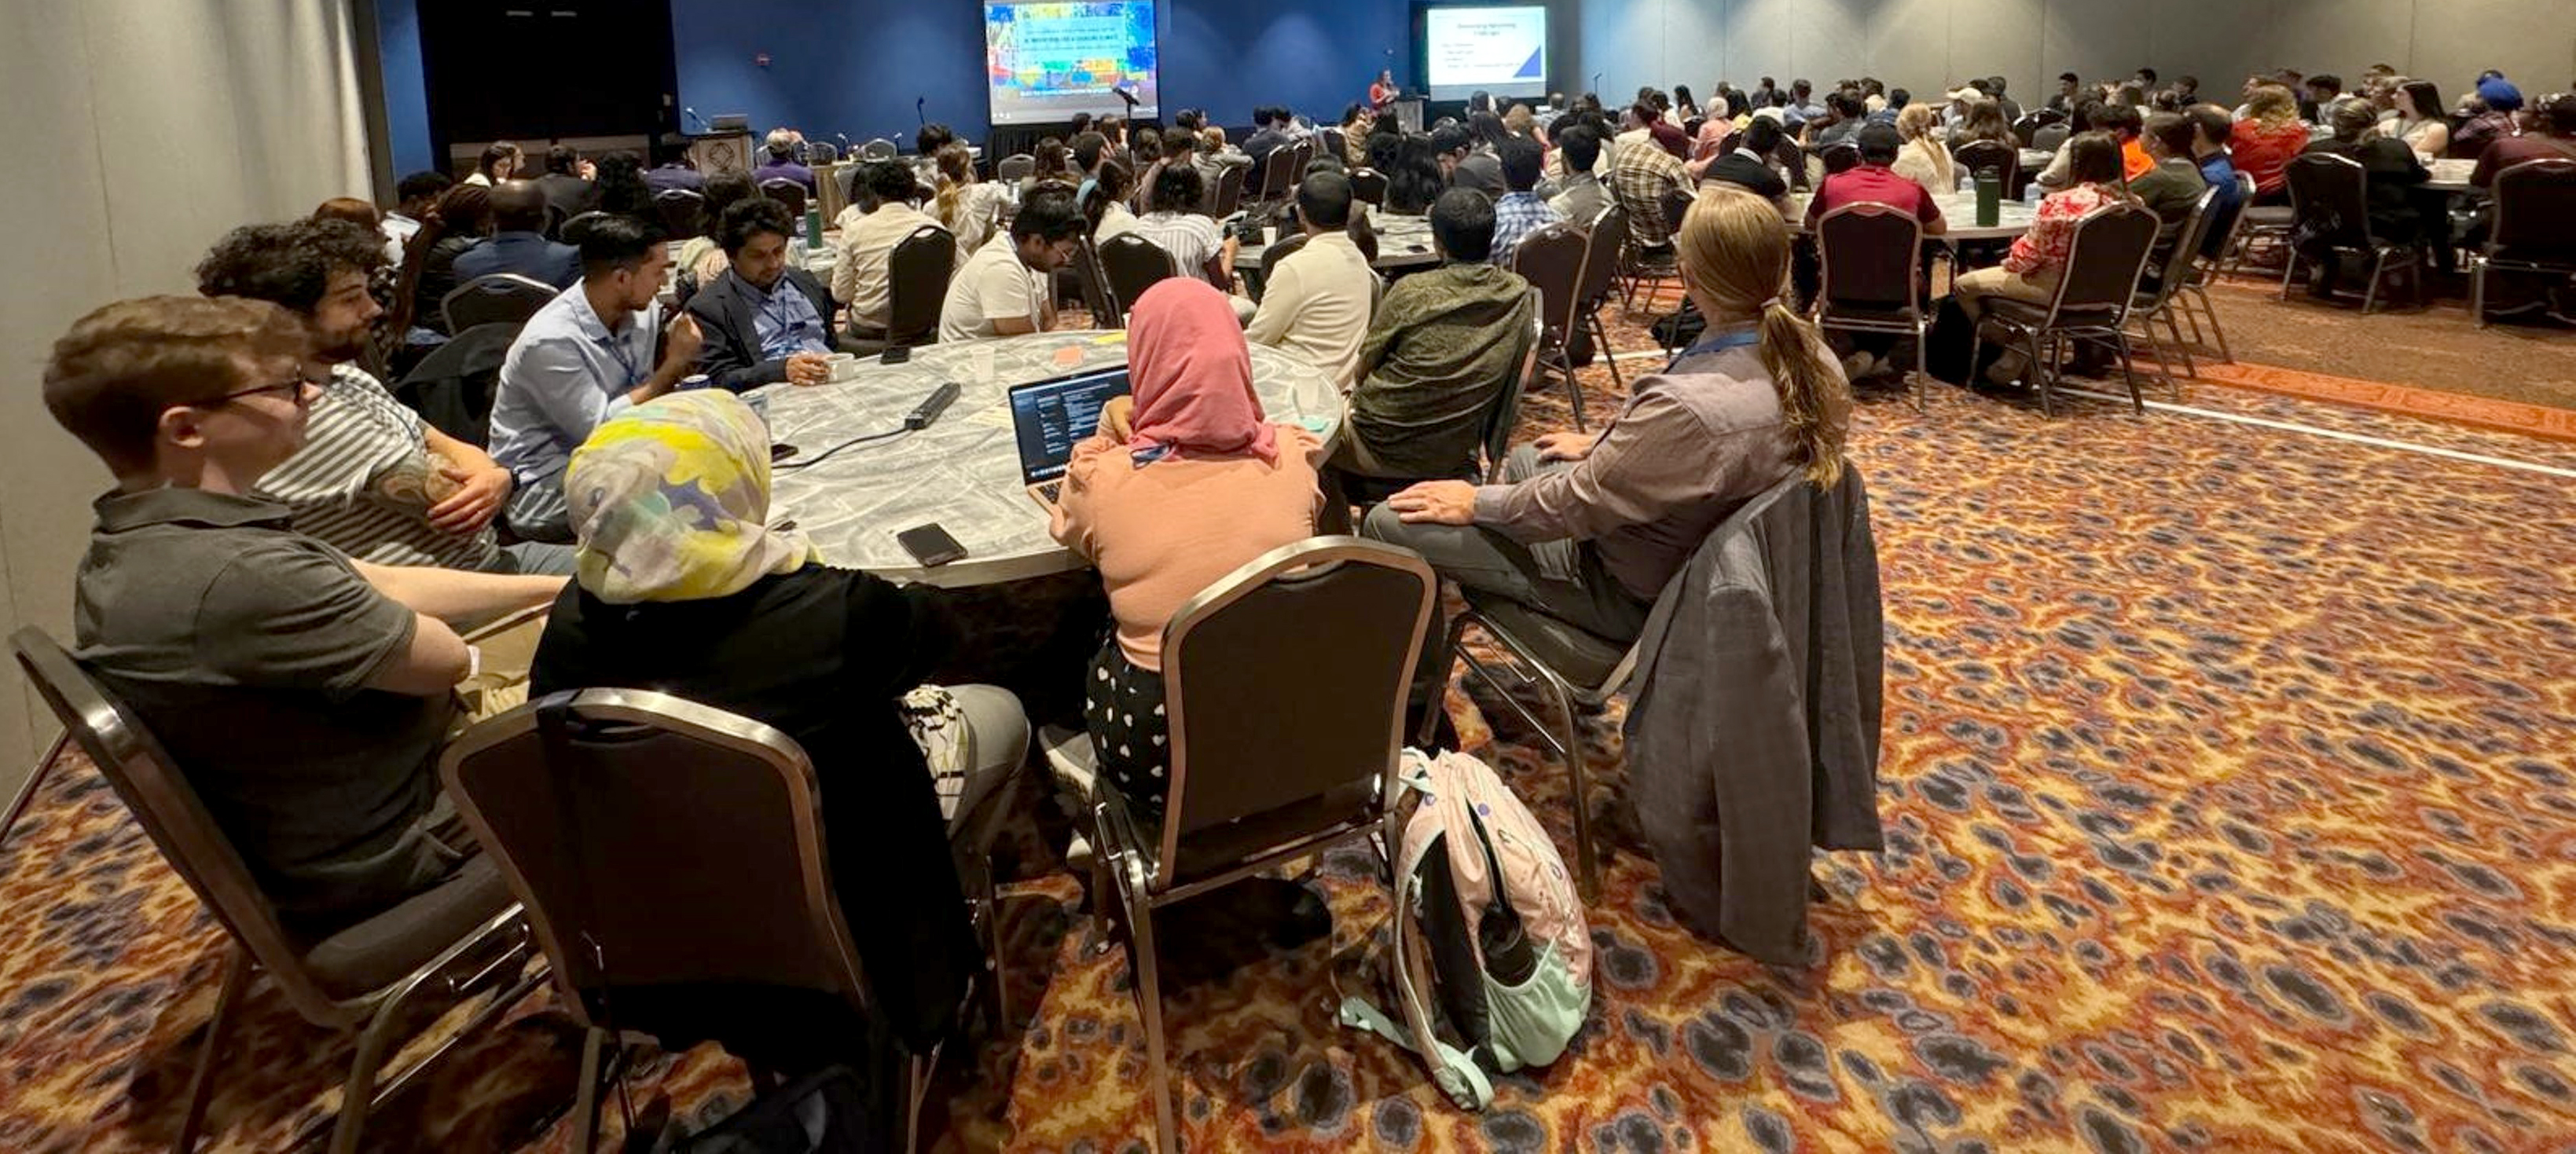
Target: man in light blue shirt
<point x="585" y="357"/>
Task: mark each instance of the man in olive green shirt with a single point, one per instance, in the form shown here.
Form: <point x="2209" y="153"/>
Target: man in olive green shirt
<point x="2174" y="186"/>
<point x="1444" y="345"/>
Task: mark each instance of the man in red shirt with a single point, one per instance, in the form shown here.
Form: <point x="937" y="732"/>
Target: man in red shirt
<point x="1873" y="180"/>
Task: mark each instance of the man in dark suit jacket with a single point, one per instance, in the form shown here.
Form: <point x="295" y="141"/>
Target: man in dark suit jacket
<point x="1269" y="134"/>
<point x="518" y="243"/>
<point x="1749" y="165"/>
<point x="564" y="186"/>
<point x="765" y="320"/>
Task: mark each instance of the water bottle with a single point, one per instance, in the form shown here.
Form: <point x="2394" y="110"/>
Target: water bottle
<point x="1990" y="195"/>
<point x="813" y="228"/>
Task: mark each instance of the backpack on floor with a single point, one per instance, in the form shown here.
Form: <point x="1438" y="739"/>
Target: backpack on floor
<point x="1489" y="933"/>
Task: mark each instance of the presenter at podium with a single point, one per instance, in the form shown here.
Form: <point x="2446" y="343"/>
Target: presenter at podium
<point x="1382" y="92"/>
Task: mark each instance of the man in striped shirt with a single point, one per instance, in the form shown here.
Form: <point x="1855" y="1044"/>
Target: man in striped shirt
<point x="373" y="479"/>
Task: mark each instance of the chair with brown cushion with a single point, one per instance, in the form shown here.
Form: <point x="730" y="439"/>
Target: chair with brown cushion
<point x="1869" y="255"/>
<point x="450" y="941"/>
<point x="603" y="809"/>
<point x="2092" y="301"/>
<point x="1293" y="733"/>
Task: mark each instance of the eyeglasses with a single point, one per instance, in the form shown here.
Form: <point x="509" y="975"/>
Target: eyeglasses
<point x="296" y="384"/>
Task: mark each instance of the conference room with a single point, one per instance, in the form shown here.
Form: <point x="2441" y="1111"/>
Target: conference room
<point x="1158" y="574"/>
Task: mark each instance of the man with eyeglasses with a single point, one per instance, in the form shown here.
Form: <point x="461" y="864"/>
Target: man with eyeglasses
<point x="373" y="480"/>
<point x="303" y="693"/>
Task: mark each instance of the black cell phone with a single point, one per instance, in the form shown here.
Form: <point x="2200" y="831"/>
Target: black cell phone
<point x="930" y="545"/>
<point x="895" y="355"/>
<point x="780" y="452"/>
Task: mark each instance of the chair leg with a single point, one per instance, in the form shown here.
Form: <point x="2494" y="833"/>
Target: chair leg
<point x="358" y="1093"/>
<point x="999" y="964"/>
<point x="2478" y="291"/>
<point x="1448" y="658"/>
<point x="1922" y="375"/>
<point x="2289" y="268"/>
<point x="2216" y="330"/>
<point x="2190" y="368"/>
<point x="1149" y="1002"/>
<point x="201" y="1081"/>
<point x="1601" y="341"/>
<point x="585" y="1107"/>
<point x="2182" y="303"/>
<point x="2370" y="292"/>
<point x="2044" y="366"/>
<point x="1587" y="868"/>
<point x="2129" y="373"/>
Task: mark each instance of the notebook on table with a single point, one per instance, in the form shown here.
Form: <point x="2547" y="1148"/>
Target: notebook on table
<point x="1049" y="417"/>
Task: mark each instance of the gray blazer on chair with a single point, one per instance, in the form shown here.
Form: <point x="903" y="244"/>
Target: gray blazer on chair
<point x="1754" y="732"/>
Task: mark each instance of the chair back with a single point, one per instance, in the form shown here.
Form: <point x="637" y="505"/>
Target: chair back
<point x="818" y="153"/>
<point x="554" y="221"/>
<point x="2110" y="249"/>
<point x="502" y="298"/>
<point x="1792" y="157"/>
<point x="454" y="386"/>
<point x="1015" y="168"/>
<point x="1551" y="260"/>
<point x="1094" y="284"/>
<point x="171" y="814"/>
<point x="2027" y="129"/>
<point x="582" y="220"/>
<point x="1132" y="264"/>
<point x="1332" y="144"/>
<point x="1225" y="193"/>
<point x="1280" y="712"/>
<point x="1842" y="156"/>
<point x="606" y="809"/>
<point x="2535" y="210"/>
<point x="1277" y="174"/>
<point x="1677" y="204"/>
<point x="878" y="149"/>
<point x="1288" y="246"/>
<point x="1601" y="247"/>
<point x="1994" y="154"/>
<point x="2235" y="223"/>
<point x="683" y="211"/>
<point x="1869" y="253"/>
<point x="1505" y="411"/>
<point x="2186" y="246"/>
<point x="917" y="284"/>
<point x="1369" y="185"/>
<point x="787" y="192"/>
<point x="2051" y="137"/>
<point x="2330" y="199"/>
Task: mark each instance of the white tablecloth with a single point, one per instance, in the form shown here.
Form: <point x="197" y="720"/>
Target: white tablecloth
<point x="963" y="472"/>
<point x="1957" y="208"/>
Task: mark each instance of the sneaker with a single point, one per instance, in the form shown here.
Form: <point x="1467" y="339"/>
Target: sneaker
<point x="1858" y="365"/>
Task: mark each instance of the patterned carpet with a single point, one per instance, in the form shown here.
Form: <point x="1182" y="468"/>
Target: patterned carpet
<point x="2230" y="785"/>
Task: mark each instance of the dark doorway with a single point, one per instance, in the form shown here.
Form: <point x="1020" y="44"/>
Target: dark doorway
<point x="541" y="70"/>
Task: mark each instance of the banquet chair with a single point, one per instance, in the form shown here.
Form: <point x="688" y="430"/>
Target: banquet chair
<point x="2163" y="300"/>
<point x="2534" y="230"/>
<point x="1225" y="194"/>
<point x="1368" y="185"/>
<point x="1131" y="264"/>
<point x="1331" y="143"/>
<point x="1296" y="753"/>
<point x="917" y="272"/>
<point x="2026" y="129"/>
<point x="454" y="386"/>
<point x="1286" y="247"/>
<point x="1868" y="255"/>
<point x="2051" y="136"/>
<point x="1551" y="259"/>
<point x="1093" y="283"/>
<point x="822" y="152"/>
<point x="554" y="222"/>
<point x="2330" y="202"/>
<point x="1602" y="244"/>
<point x="1793" y="158"/>
<point x="493" y="299"/>
<point x="2092" y="301"/>
<point x="682" y="211"/>
<point x="452" y="941"/>
<point x="2206" y="268"/>
<point x="787" y="192"/>
<point x="1994" y="154"/>
<point x="1643" y="266"/>
<point x="1015" y="168"/>
<point x="878" y="149"/>
<point x="603" y="808"/>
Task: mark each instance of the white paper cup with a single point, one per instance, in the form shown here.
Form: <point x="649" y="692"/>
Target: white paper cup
<point x="844" y="366"/>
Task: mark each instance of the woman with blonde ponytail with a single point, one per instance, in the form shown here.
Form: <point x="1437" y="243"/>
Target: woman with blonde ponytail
<point x="1588" y="529"/>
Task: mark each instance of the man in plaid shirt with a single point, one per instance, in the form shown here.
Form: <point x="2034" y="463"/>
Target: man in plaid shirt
<point x="1521" y="211"/>
<point x="1639" y="178"/>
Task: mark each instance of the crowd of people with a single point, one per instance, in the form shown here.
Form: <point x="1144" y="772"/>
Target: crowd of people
<point x="277" y="579"/>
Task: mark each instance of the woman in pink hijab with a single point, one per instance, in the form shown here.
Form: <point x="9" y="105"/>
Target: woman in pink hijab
<point x="1201" y="483"/>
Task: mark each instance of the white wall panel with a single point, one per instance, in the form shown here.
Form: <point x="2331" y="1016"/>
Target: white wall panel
<point x="1909" y="44"/>
<point x="2000" y="37"/>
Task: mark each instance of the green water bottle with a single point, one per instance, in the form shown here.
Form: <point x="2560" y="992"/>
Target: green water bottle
<point x="1990" y="196"/>
<point x="813" y="228"/>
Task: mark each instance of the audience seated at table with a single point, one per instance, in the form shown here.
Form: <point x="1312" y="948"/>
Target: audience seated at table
<point x="565" y="184"/>
<point x="1357" y="122"/>
<point x="302" y="694"/>
<point x="684" y="588"/>
<point x="459" y="222"/>
<point x="1197" y="246"/>
<point x="2390" y="175"/>
<point x="2491" y="118"/>
<point x="870" y="228"/>
<point x="2418" y="119"/>
<point x="588" y="355"/>
<point x="2552" y="137"/>
<point x="1801" y="105"/>
<point x="1981" y="119"/>
<point x="2172" y="185"/>
<point x="2265" y="139"/>
<point x="1640" y="176"/>
<point x="2030" y="272"/>
<point x="1579" y="196"/>
<point x="1663" y="133"/>
<point x="2126" y="124"/>
<point x="1922" y="158"/>
<point x="1104" y="207"/>
<point x="1874" y="181"/>
<point x="1588" y="528"/>
<point x="1748" y="165"/>
<point x="1442" y="347"/>
<point x="970" y="210"/>
<point x="1086" y="153"/>
<point x="518" y="243"/>
<point x="765" y="320"/>
<point x="371" y="478"/>
<point x="1414" y="177"/>
<point x="780" y="149"/>
<point x="1317" y="301"/>
<point x="1520" y="211"/>
<point x="1178" y="489"/>
<point x="1002" y="290"/>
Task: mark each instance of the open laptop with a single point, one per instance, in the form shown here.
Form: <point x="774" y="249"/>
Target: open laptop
<point x="1049" y="417"/>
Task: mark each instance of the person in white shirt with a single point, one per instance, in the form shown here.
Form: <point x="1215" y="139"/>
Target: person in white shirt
<point x="1197" y="246"/>
<point x="1105" y="206"/>
<point x="1319" y="299"/>
<point x="1002" y="290"/>
<point x="870" y="229"/>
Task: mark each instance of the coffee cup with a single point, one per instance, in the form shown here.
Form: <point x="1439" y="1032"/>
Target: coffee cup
<point x="843" y="366"/>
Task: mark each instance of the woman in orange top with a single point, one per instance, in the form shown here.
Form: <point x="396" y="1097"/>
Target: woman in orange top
<point x="1382" y="92"/>
<point x="2262" y="144"/>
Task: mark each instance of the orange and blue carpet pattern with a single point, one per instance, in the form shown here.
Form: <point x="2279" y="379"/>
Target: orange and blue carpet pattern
<point x="2230" y="790"/>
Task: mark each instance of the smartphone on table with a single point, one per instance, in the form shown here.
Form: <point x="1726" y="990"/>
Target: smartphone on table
<point x="930" y="545"/>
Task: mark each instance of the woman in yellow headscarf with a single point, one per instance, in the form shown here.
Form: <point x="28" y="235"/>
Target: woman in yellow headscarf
<point x="684" y="588"/>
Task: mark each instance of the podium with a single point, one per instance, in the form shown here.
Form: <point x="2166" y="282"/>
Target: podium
<point x="1408" y="113"/>
<point x="714" y="152"/>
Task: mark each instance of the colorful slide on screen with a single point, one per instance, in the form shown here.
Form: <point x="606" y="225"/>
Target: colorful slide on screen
<point x="1046" y="60"/>
<point x="1498" y="50"/>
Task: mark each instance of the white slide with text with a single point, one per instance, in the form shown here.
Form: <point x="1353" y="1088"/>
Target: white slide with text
<point x="1501" y="50"/>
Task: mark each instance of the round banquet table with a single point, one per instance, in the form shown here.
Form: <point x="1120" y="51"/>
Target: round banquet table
<point x="1403" y="242"/>
<point x="2451" y="175"/>
<point x="963" y="472"/>
<point x="1958" y="208"/>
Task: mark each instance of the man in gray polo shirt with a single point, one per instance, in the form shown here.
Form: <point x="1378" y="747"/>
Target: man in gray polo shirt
<point x="304" y="695"/>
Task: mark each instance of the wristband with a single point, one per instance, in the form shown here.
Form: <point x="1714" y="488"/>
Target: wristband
<point x="473" y="662"/>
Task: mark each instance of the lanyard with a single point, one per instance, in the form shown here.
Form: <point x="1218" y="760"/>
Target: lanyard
<point x="1717" y="343"/>
<point x="616" y="346"/>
